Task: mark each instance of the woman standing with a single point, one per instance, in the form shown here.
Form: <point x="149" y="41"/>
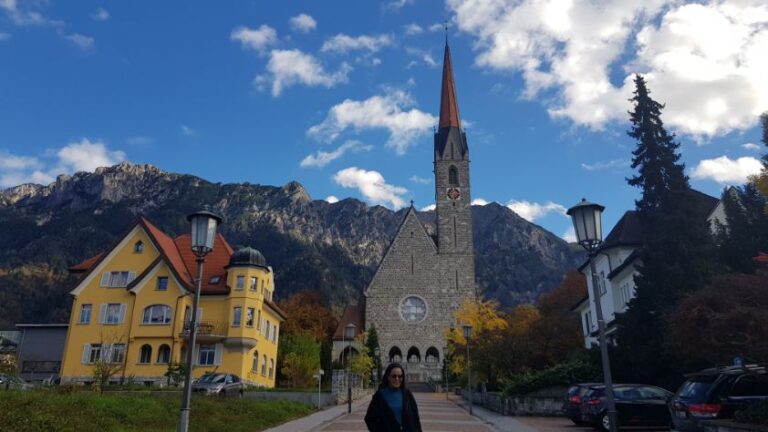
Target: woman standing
<point x="393" y="407"/>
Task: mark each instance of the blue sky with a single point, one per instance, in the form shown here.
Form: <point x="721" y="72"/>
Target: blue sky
<point x="342" y="96"/>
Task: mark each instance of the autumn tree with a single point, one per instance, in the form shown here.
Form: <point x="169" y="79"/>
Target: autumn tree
<point x="711" y="328"/>
<point x="488" y="324"/>
<point x="557" y="333"/>
<point x="299" y="356"/>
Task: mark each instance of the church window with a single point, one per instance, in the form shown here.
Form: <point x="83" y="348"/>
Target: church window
<point x="413" y="355"/>
<point x="395" y="355"/>
<point x="453" y="176"/>
<point x="413" y="309"/>
<point x="412" y="263"/>
<point x="433" y="356"/>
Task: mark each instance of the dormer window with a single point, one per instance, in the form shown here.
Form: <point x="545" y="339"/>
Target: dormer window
<point x="138" y="247"/>
<point x="453" y="176"/>
<point x="214" y="280"/>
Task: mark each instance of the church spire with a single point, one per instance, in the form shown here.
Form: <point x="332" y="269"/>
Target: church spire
<point x="449" y="107"/>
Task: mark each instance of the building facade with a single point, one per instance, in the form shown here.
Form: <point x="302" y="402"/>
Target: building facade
<point x="617" y="263"/>
<point x="132" y="308"/>
<point x="422" y="280"/>
<point x="40" y="351"/>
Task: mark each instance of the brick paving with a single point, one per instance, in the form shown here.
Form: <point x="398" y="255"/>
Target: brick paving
<point x="437" y="415"/>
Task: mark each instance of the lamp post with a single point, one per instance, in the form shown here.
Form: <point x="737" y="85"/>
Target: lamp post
<point x="319" y="376"/>
<point x="587" y="222"/>
<point x="204" y="225"/>
<point x="467" y="335"/>
<point x="377" y="364"/>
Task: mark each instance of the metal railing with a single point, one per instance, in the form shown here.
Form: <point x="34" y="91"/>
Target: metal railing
<point x="207" y="328"/>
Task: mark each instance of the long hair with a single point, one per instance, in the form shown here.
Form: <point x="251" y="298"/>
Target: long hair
<point x="385" y="378"/>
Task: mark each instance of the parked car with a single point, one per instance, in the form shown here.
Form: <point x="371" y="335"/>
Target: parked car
<point x="716" y="394"/>
<point x="572" y="403"/>
<point x="636" y="405"/>
<point x="13" y="383"/>
<point x="219" y="383"/>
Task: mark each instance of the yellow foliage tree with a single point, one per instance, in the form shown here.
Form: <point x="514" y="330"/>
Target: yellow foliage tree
<point x="488" y="324"/>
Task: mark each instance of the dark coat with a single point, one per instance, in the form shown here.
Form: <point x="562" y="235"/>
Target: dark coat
<point x="380" y="417"/>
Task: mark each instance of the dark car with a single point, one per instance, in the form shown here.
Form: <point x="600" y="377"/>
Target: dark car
<point x="219" y="383"/>
<point x="636" y="405"/>
<point x="572" y="403"/>
<point x="717" y="393"/>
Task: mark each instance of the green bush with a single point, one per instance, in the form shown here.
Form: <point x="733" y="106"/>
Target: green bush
<point x="33" y="411"/>
<point x="755" y="414"/>
<point x="561" y="374"/>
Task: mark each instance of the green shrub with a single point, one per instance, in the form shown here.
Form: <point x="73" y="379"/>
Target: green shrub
<point x="561" y="374"/>
<point x="754" y="414"/>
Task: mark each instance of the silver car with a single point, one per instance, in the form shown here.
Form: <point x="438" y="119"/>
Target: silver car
<point x="219" y="384"/>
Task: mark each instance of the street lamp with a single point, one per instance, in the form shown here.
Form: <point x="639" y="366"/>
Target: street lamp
<point x="467" y="335"/>
<point x="377" y="364"/>
<point x="587" y="223"/>
<point x="319" y="376"/>
<point x="204" y="226"/>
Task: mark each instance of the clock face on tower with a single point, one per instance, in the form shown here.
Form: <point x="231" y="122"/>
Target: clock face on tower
<point x="454" y="194"/>
<point x="413" y="309"/>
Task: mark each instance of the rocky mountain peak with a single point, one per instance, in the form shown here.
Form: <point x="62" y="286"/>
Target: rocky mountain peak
<point x="296" y="192"/>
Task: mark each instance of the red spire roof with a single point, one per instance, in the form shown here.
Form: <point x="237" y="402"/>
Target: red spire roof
<point x="449" y="107"/>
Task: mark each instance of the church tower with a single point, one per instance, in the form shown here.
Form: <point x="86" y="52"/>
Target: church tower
<point x="452" y="193"/>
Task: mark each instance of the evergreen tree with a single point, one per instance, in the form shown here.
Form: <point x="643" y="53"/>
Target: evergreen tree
<point x="372" y="344"/>
<point x="678" y="250"/>
<point x="746" y="231"/>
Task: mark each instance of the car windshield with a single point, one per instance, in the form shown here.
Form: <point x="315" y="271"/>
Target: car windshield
<point x="212" y="379"/>
<point x="696" y="389"/>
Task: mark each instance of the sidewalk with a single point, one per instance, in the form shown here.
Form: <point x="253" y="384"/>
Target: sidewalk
<point x="500" y="422"/>
<point x="314" y="421"/>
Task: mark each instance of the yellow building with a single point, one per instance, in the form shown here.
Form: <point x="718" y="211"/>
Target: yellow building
<point x="132" y="307"/>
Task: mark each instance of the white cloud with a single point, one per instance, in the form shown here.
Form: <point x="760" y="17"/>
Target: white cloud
<point x="75" y="156"/>
<point x="303" y="23"/>
<point x="531" y="211"/>
<point x="725" y="170"/>
<point x="603" y="165"/>
<point x="87" y="156"/>
<point x="479" y="202"/>
<point x="398" y="4"/>
<point x="424" y="55"/>
<point x="372" y="186"/>
<point x="4" y="36"/>
<point x="342" y="43"/>
<point x="704" y="60"/>
<point x="26" y="17"/>
<point x="420" y="180"/>
<point x="430" y="207"/>
<point x="259" y="39"/>
<point x="140" y="140"/>
<point x="331" y="199"/>
<point x="186" y="130"/>
<point x="570" y="235"/>
<point x="377" y="112"/>
<point x="412" y="29"/>
<point x="85" y="43"/>
<point x="289" y="67"/>
<point x="100" y="14"/>
<point x="323" y="158"/>
<point x="437" y="27"/>
<point x="750" y="147"/>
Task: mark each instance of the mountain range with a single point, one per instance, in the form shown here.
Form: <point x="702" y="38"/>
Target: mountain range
<point x="333" y="248"/>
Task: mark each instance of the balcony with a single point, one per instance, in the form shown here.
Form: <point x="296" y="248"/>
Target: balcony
<point x="207" y="331"/>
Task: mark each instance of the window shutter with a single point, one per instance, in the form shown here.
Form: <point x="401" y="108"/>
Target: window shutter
<point x="196" y="356"/>
<point x="105" y="279"/>
<point x="86" y="353"/>
<point x="217" y="355"/>
<point x="102" y="313"/>
<point x="122" y="313"/>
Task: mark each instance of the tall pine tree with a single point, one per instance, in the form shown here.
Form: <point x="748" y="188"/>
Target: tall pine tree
<point x="677" y="254"/>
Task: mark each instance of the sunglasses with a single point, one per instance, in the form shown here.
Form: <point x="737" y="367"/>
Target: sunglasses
<point x="396" y="376"/>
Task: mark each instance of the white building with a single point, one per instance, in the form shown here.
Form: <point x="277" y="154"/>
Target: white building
<point x="616" y="265"/>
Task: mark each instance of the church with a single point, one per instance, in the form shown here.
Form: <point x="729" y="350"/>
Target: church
<point x="422" y="279"/>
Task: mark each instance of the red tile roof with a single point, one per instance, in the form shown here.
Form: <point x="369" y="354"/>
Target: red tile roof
<point x="178" y="253"/>
<point x="352" y="315"/>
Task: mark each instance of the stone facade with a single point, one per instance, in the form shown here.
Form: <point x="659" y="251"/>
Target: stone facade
<point x="421" y="281"/>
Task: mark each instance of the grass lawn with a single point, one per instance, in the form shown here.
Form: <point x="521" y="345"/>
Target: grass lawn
<point x="32" y="411"/>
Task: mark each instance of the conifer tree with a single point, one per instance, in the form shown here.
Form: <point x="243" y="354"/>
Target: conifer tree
<point x="746" y="231"/>
<point x="678" y="252"/>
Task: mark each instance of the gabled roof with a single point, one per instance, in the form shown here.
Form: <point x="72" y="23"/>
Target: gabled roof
<point x="354" y="315"/>
<point x="627" y="232"/>
<point x="178" y="254"/>
<point x="280" y="313"/>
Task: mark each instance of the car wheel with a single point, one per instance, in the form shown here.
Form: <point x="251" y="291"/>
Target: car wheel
<point x="604" y="423"/>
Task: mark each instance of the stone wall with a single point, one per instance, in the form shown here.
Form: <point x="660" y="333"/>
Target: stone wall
<point x="536" y="404"/>
<point x="341" y="382"/>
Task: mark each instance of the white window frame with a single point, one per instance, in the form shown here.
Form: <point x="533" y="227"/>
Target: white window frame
<point x="160" y="351"/>
<point x="255" y="364"/>
<point x="148" y="314"/>
<point x="106" y="317"/>
<point x="250" y="315"/>
<point x="85" y="313"/>
<point x="157" y="285"/>
<point x="239" y="282"/>
<point x="117" y="279"/>
<point x="264" y="365"/>
<point x="254" y="283"/>
<point x="210" y="353"/>
<point x="148" y="355"/>
<point x="271" y="368"/>
<point x="237" y="316"/>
